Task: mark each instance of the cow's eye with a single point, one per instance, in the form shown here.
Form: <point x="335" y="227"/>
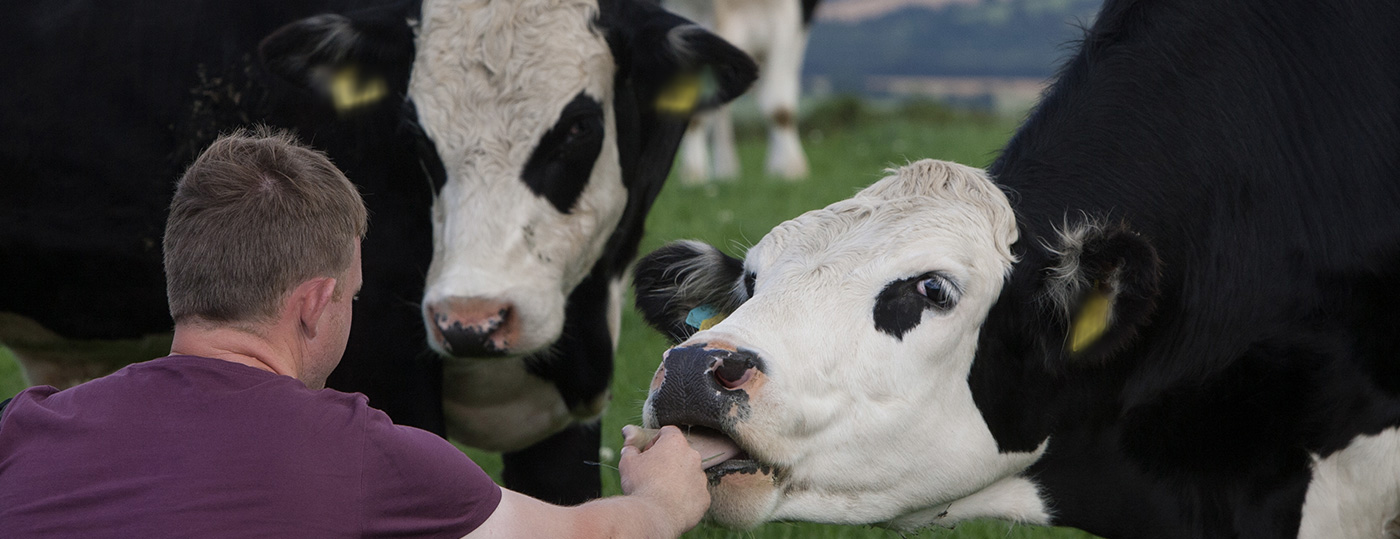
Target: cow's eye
<point x="938" y="290"/>
<point x="581" y="130"/>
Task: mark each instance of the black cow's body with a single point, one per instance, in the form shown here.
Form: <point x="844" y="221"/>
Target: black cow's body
<point x="1253" y="145"/>
<point x="103" y="105"/>
<point x="1191" y="329"/>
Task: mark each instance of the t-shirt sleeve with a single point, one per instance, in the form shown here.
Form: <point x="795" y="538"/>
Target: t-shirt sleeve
<point x="416" y="484"/>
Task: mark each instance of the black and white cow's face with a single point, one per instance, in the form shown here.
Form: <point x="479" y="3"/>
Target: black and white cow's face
<point x="852" y="332"/>
<point x="546" y="124"/>
<point x="842" y="369"/>
<point x="518" y="98"/>
<point x="522" y="102"/>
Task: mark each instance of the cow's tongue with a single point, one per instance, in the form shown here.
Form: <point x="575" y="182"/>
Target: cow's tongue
<point x="712" y="446"/>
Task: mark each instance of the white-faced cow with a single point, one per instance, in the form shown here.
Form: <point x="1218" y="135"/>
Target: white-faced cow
<point x="775" y="32"/>
<point x="508" y="152"/>
<point x="1167" y="310"/>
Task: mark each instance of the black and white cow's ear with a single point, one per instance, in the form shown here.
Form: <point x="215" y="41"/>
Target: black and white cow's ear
<point x="687" y="286"/>
<point x="1103" y="282"/>
<point x="679" y="68"/>
<point x="353" y="63"/>
<point x="667" y="69"/>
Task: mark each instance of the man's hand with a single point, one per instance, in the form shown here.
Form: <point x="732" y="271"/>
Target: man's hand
<point x="666" y="471"/>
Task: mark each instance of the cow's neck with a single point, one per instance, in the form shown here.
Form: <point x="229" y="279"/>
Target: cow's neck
<point x="1014" y="499"/>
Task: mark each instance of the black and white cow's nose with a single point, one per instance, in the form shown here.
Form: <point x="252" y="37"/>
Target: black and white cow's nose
<point x="472" y="327"/>
<point x="697" y="383"/>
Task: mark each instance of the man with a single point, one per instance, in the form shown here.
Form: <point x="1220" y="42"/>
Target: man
<point x="233" y="433"/>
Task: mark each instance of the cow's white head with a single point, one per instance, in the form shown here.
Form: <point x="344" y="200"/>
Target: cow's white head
<point x="842" y="368"/>
<point x="548" y="126"/>
<point x="544" y="114"/>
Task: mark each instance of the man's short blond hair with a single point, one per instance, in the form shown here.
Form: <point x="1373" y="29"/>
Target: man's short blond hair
<point x="254" y="216"/>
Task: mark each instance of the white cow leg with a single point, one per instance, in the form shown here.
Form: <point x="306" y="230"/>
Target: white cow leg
<point x="777" y="99"/>
<point x="786" y="159"/>
<point x="726" y="153"/>
<point x="695" y="152"/>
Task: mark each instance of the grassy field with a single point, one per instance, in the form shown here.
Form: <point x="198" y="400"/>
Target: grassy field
<point x="849" y="145"/>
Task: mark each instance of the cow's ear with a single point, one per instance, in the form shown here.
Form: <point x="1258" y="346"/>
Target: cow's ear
<point x="679" y="68"/>
<point x="686" y="286"/>
<point x="667" y="69"/>
<point x="671" y="66"/>
<point x="1103" y="284"/>
<point x="353" y="63"/>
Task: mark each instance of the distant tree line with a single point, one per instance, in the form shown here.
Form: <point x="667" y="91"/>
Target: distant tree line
<point x="995" y="38"/>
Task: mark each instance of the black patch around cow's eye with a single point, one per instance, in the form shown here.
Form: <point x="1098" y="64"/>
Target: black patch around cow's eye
<point x="900" y="306"/>
<point x="749" y="279"/>
<point x="562" y="162"/>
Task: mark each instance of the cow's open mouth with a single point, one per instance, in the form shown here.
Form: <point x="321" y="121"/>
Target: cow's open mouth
<point x="719" y="453"/>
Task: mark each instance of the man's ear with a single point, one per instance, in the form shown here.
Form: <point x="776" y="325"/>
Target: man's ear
<point x="1102" y="282"/>
<point x="311" y="300"/>
<point x="686" y="286"/>
<point x="354" y="63"/>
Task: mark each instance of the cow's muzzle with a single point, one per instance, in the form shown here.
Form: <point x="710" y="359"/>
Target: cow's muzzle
<point x="472" y="327"/>
<point x="706" y="384"/>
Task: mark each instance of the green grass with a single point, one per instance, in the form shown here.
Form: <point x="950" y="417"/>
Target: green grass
<point x="849" y="145"/>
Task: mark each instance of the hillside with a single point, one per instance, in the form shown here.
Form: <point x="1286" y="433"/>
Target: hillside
<point x="854" y="40"/>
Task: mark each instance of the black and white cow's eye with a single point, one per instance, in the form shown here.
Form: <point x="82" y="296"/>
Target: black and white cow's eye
<point x="562" y="161"/>
<point x="902" y="303"/>
<point x="938" y="290"/>
<point x="581" y="130"/>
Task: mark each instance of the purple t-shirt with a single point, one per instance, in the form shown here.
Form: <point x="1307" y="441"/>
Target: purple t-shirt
<point x="188" y="446"/>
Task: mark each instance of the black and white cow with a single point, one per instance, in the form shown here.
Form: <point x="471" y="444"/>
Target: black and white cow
<point x="775" y="32"/>
<point x="508" y="152"/>
<point x="1167" y="310"/>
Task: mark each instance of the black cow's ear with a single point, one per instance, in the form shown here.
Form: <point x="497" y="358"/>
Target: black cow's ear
<point x="667" y="69"/>
<point x="354" y="62"/>
<point x="686" y="285"/>
<point x="1103" y="282"/>
<point x="678" y="68"/>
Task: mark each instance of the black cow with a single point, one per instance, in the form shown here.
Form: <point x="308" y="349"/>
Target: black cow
<point x="508" y="152"/>
<point x="1167" y="310"/>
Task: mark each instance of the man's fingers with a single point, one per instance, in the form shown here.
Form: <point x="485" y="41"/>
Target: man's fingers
<point x="670" y="434"/>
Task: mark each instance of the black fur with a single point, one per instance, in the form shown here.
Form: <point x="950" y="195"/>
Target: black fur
<point x="1252" y="144"/>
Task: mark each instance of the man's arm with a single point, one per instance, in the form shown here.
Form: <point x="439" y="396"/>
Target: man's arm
<point x="665" y="494"/>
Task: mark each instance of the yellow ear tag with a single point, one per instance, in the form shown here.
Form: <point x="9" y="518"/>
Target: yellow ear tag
<point x="1091" y="322"/>
<point x="680" y="96"/>
<point x="349" y="91"/>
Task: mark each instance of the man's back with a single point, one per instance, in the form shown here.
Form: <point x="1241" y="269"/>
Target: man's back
<point x="186" y="445"/>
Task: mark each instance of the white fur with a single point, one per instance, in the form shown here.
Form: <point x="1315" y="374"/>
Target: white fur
<point x="772" y="32"/>
<point x="1355" y="492"/>
<point x="490" y="78"/>
<point x="1015" y="498"/>
<point x="838" y="391"/>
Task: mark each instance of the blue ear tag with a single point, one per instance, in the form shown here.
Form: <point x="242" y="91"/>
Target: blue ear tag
<point x="703" y="317"/>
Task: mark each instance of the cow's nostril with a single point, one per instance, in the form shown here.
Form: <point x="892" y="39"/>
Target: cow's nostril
<point x="732" y="370"/>
<point x="472" y="327"/>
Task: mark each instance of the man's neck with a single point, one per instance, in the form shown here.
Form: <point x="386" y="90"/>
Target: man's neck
<point x="233" y="344"/>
